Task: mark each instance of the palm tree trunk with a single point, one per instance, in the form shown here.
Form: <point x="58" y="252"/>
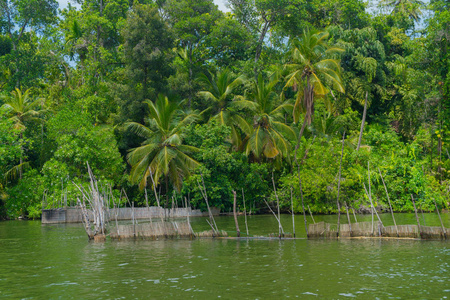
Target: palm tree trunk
<point x="20" y="159"/>
<point x="362" y="123"/>
<point x="298" y="173"/>
<point x="339" y="188"/>
<point x="167" y="192"/>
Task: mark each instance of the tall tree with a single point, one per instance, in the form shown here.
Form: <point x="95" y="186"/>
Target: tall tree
<point x="313" y="69"/>
<point x="147" y="48"/>
<point x="162" y="154"/>
<point x="267" y="134"/>
<point x="21" y="20"/>
<point x="217" y="92"/>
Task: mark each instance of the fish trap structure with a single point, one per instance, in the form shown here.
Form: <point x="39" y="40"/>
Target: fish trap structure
<point x="376" y="229"/>
<point x="154" y="230"/>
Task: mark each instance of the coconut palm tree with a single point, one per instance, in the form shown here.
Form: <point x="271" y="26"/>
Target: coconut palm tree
<point x="312" y="67"/>
<point x="267" y="134"/>
<point x="313" y="70"/>
<point x="217" y="92"/>
<point x="21" y="107"/>
<point x="162" y="154"/>
<point x="411" y="8"/>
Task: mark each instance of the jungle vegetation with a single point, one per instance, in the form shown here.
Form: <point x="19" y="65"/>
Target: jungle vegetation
<point x="180" y="91"/>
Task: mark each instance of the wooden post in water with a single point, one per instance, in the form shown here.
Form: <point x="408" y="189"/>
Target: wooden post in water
<point x="339" y="187"/>
<point x="293" y="219"/>
<point x="279" y="222"/>
<point x="442" y="224"/>
<point x="389" y="200"/>
<point x="205" y="196"/>
<point x="188" y="213"/>
<point x="245" y="212"/>
<point x="132" y="214"/>
<point x="278" y="206"/>
<point x="417" y="216"/>
<point x="235" y="215"/>
<point x="354" y="215"/>
<point x="423" y="217"/>
<point x="348" y="218"/>
<point x="370" y="192"/>
<point x="310" y="213"/>
<point x="373" y="208"/>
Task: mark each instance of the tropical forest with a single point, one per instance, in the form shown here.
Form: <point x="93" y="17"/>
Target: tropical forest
<point x="276" y="99"/>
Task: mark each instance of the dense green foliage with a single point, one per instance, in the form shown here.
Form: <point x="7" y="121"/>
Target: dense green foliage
<point x="166" y="96"/>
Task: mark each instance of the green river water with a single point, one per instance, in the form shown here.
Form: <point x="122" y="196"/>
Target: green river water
<point x="58" y="262"/>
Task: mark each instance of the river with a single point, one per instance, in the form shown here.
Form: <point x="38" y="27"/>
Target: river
<point x="58" y="262"/>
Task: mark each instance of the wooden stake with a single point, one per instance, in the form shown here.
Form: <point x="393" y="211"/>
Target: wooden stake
<point x="389" y="200"/>
<point x="417" y="216"/>
<point x="293" y="219"/>
<point x="309" y="209"/>
<point x="188" y="213"/>
<point x="442" y="224"/>
<point x="348" y="218"/>
<point x="370" y="192"/>
<point x="148" y="207"/>
<point x="235" y="215"/>
<point x="279" y="223"/>
<point x="371" y="204"/>
<point x="205" y="196"/>
<point x="132" y="214"/>
<point x="245" y="212"/>
<point x="339" y="187"/>
<point x="278" y="205"/>
<point x="423" y="217"/>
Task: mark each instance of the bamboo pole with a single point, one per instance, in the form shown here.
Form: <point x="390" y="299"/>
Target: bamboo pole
<point x="278" y="205"/>
<point x="354" y="215"/>
<point x="148" y="206"/>
<point x="188" y="213"/>
<point x="293" y="219"/>
<point x="348" y="218"/>
<point x="279" y="222"/>
<point x="370" y="192"/>
<point x="339" y="186"/>
<point x="389" y="200"/>
<point x="235" y="215"/>
<point x="156" y="195"/>
<point x="132" y="214"/>
<point x="245" y="212"/>
<point x="417" y="216"/>
<point x="371" y="204"/>
<point x="439" y="215"/>
<point x="423" y="217"/>
<point x="205" y="196"/>
<point x="310" y="213"/>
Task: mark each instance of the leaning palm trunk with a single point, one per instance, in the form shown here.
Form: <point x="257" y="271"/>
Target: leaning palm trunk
<point x="309" y="94"/>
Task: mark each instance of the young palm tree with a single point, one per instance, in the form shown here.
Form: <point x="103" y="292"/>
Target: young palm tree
<point x="162" y="153"/>
<point x="217" y="93"/>
<point x="21" y="108"/>
<point x="267" y="135"/>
